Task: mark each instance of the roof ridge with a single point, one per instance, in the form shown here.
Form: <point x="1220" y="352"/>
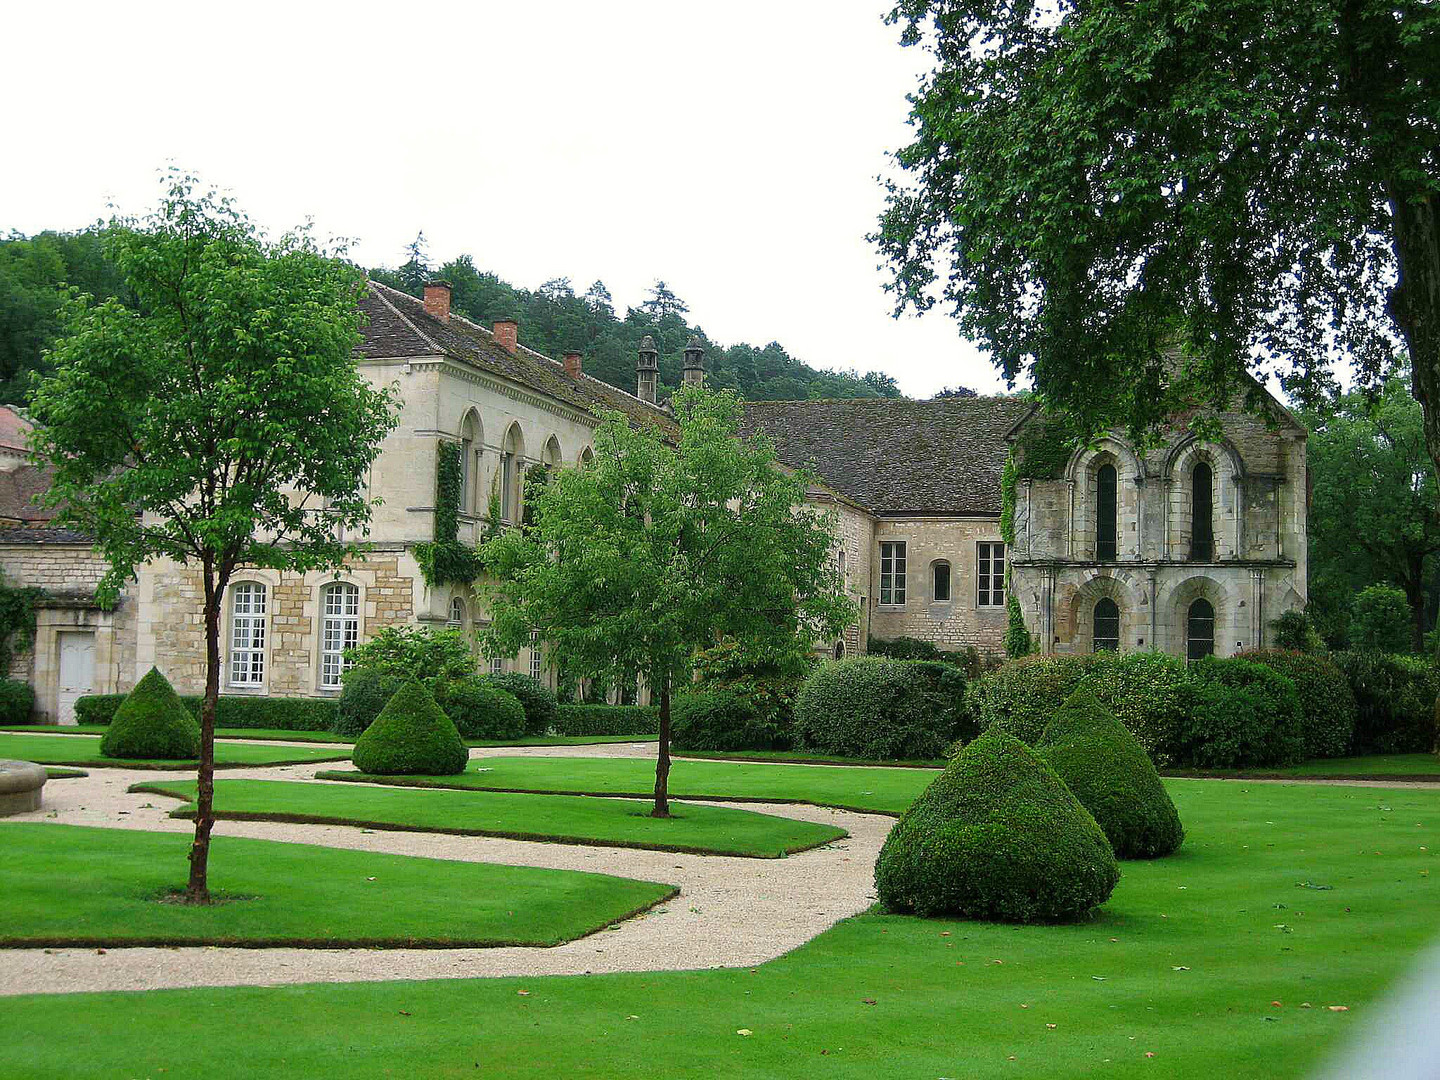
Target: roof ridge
<point x="403" y="317"/>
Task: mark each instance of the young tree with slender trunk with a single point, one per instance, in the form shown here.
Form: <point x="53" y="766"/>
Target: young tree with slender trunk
<point x="658" y="550"/>
<point x="218" y="421"/>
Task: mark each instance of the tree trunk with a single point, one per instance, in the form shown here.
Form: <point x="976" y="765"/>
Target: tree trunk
<point x="1415" y="300"/>
<point x="1414" y="585"/>
<point x="662" y="759"/>
<point x="198" y="889"/>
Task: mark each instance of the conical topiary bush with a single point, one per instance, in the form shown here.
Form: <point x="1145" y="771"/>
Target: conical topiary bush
<point x="411" y="736"/>
<point x="997" y="835"/>
<point x="152" y="722"/>
<point x="1112" y="776"/>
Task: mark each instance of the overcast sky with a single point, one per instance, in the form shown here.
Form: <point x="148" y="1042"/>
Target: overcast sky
<point x="730" y="149"/>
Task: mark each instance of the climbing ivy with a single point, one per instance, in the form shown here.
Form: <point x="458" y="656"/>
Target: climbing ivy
<point x="446" y="560"/>
<point x="1017" y="638"/>
<point x="17" y="622"/>
<point x="447" y="492"/>
<point x="1044" y="449"/>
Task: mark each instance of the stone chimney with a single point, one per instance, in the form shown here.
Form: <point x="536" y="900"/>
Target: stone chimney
<point x="694" y="374"/>
<point x="507" y="334"/>
<point x="437" y="300"/>
<point x="573" y="364"/>
<point x="647" y="370"/>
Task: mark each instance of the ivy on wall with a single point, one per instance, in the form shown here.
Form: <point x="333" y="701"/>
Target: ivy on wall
<point x="17" y="622"/>
<point x="445" y="560"/>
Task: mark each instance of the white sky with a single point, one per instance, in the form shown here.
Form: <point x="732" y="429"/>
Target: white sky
<point x="730" y="149"/>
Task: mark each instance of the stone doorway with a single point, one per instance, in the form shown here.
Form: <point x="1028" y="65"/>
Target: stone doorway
<point x="77" y="671"/>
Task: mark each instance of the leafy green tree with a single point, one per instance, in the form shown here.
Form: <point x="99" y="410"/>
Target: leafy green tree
<point x="185" y="426"/>
<point x="1379" y="620"/>
<point x="1091" y="183"/>
<point x="657" y="551"/>
<point x="1375" y="508"/>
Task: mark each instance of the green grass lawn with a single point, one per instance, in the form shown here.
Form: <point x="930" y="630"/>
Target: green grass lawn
<point x="60" y="772"/>
<point x="869" y="790"/>
<point x="1184" y="963"/>
<point x="801" y="758"/>
<point x="709" y="830"/>
<point x="66" y="885"/>
<point x="1376" y="766"/>
<point x="85" y="750"/>
<point x="285" y="735"/>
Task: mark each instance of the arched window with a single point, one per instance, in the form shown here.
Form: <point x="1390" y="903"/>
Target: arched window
<point x="940" y="581"/>
<point x="551" y="459"/>
<point x="248" y="610"/>
<point x="339" y="630"/>
<point x="1106" y="532"/>
<point x="840" y="650"/>
<point x="587" y="456"/>
<point x="469" y="464"/>
<point x="840" y="563"/>
<point x="1107" y="625"/>
<point x="1202" y="538"/>
<point x="511" y="474"/>
<point x="457" y="612"/>
<point x="1200" y="630"/>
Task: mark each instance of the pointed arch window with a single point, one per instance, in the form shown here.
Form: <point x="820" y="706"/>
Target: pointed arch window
<point x="1106" y="531"/>
<point x="1200" y="630"/>
<point x="1202" y="509"/>
<point x="1106" y="637"/>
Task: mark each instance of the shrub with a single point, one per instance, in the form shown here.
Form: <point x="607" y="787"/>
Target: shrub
<point x="718" y="719"/>
<point x="1112" y="776"/>
<point x="1244" y="714"/>
<point x="1381" y="620"/>
<point x="1325" y="698"/>
<point x="97" y="708"/>
<point x="1022" y="695"/>
<point x="480" y="709"/>
<point x="17" y="701"/>
<point x="152" y="723"/>
<point x="873" y="707"/>
<point x="435" y="657"/>
<point x="996" y="836"/>
<point x="767" y="683"/>
<point x="902" y="648"/>
<point x="1295" y="631"/>
<point x="231" y="711"/>
<point x="537" y="700"/>
<point x="607" y="720"/>
<point x="411" y="736"/>
<point x="365" y="691"/>
<point x="1395" y="697"/>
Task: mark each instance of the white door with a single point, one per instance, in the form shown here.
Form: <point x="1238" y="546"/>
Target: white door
<point x="77" y="670"/>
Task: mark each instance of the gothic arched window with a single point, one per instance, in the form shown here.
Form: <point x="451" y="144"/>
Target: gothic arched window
<point x="1200" y="630"/>
<point x="1202" y="538"/>
<point x="1107" y="625"/>
<point x="1106" y="533"/>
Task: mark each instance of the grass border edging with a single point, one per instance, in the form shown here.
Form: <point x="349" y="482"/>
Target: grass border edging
<point x="1294" y="778"/>
<point x="190" y="766"/>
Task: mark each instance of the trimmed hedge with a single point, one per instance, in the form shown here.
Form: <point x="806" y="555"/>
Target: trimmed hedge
<point x="17" y="702"/>
<point x="538" y="701"/>
<point x="365" y="691"/>
<point x="1022" y="695"/>
<point x="1112" y="776"/>
<point x="717" y="719"/>
<point x="877" y="708"/>
<point x="1244" y="714"/>
<point x="152" y="723"/>
<point x="231" y="711"/>
<point x="1325" y="697"/>
<point x="607" y="720"/>
<point x="481" y="710"/>
<point x="411" y="736"/>
<point x="1395" y="695"/>
<point x="997" y="836"/>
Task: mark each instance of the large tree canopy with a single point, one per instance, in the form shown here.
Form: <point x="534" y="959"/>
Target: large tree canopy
<point x="1090" y="183"/>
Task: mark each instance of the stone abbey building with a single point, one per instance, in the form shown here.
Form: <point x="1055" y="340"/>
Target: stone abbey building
<point x="1195" y="548"/>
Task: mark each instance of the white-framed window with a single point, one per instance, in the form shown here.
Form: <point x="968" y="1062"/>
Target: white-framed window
<point x="248" y="614"/>
<point x="536" y="667"/>
<point x="940" y="581"/>
<point x="339" y="630"/>
<point x="457" y="613"/>
<point x="892" y="572"/>
<point x="497" y="665"/>
<point x="990" y="574"/>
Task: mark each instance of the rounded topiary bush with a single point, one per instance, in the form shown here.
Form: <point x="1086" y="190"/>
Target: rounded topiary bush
<point x="365" y="690"/>
<point x="480" y="709"/>
<point x="539" y="702"/>
<point x="1107" y="769"/>
<point x="872" y="707"/>
<point x="152" y="722"/>
<point x="1021" y="696"/>
<point x="717" y="720"/>
<point x="1325" y="698"/>
<point x="997" y="835"/>
<point x="411" y="736"/>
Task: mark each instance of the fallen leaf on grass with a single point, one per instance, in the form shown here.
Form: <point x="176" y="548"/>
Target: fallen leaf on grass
<point x="1306" y="1005"/>
<point x="1338" y="1008"/>
<point x="743" y="1031"/>
<point x="1050" y="1026"/>
<point x="869" y="1001"/>
<point x="523" y="993"/>
<point x="1181" y="967"/>
<point x="404" y="1013"/>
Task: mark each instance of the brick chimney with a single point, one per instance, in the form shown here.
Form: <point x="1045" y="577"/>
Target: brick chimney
<point x="437" y="300"/>
<point x="573" y="364"/>
<point x="507" y="334"/>
<point x="647" y="370"/>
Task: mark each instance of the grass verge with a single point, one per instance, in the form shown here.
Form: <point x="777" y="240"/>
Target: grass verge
<point x="67" y="885"/>
<point x="59" y="772"/>
<point x="1417" y="767"/>
<point x="285" y="735"/>
<point x="1187" y="963"/>
<point x="85" y="750"/>
<point x="561" y="819"/>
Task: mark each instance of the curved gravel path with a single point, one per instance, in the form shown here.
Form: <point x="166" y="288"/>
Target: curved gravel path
<point x="731" y="912"/>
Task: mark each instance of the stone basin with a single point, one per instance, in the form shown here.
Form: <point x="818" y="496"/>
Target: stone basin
<point x="20" y="784"/>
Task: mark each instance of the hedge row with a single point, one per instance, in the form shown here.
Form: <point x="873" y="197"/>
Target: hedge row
<point x="17" y="702"/>
<point x="607" y="720"/>
<point x="231" y="711"/>
<point x="878" y="708"/>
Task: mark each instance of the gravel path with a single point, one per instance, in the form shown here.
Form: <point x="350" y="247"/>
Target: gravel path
<point x="730" y="911"/>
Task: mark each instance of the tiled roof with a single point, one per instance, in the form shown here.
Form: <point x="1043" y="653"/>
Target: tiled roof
<point x="43" y="536"/>
<point x="897" y="457"/>
<point x="14" y="429"/>
<point x="399" y="327"/>
<point x="17" y="488"/>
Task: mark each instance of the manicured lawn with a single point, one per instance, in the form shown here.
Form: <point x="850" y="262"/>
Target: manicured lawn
<point x="1378" y="766"/>
<point x="85" y="750"/>
<point x="67" y="885"/>
<point x="802" y="758"/>
<point x="284" y="735"/>
<point x="60" y="772"/>
<point x="568" y="819"/>
<point x="1184" y="963"/>
<point x="869" y="790"/>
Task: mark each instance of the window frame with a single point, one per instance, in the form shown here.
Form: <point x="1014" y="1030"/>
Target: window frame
<point x="1107" y="548"/>
<point x="990" y="590"/>
<point x="537" y="660"/>
<point x="894" y="568"/>
<point x="347" y="626"/>
<point x="257" y="624"/>
<point x="1202" y="550"/>
<point x="935" y="568"/>
<point x="1190" y="620"/>
<point x="1095" y="638"/>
